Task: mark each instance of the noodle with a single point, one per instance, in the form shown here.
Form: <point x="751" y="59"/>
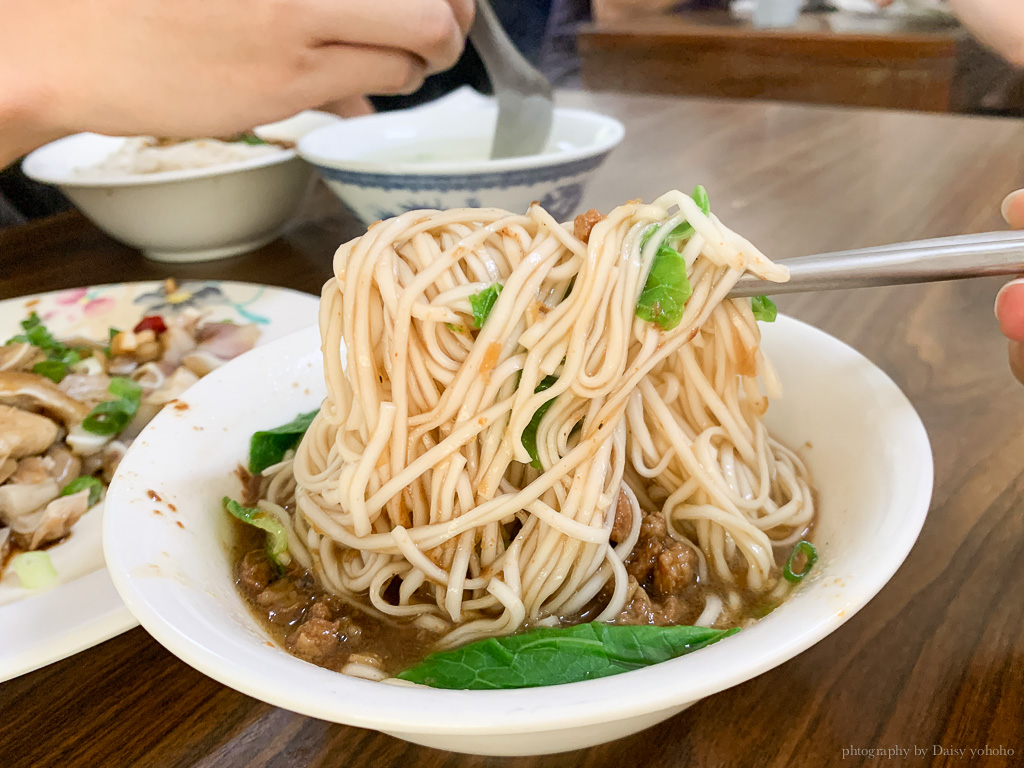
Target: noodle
<point x="413" y="493"/>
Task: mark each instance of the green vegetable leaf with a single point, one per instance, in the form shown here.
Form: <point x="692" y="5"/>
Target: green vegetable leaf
<point x="250" y="138"/>
<point x="666" y="291"/>
<point x="530" y="433"/>
<point x="36" y="334"/>
<point x="82" y="483"/>
<point x="483" y="302"/>
<point x="111" y="416"/>
<point x="58" y="356"/>
<point x="54" y="370"/>
<point x="683" y="230"/>
<point x="125" y="389"/>
<point x="269" y="446"/>
<point x="764" y="309"/>
<point x="700" y="197"/>
<point x="34" y="569"/>
<point x="558" y="655"/>
<point x="111" y="333"/>
<point x="277" y="538"/>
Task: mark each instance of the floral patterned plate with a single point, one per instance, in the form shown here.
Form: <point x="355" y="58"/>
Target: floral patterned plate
<point x="83" y="609"/>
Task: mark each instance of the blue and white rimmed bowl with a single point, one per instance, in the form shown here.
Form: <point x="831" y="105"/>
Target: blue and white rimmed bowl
<point x="438" y="157"/>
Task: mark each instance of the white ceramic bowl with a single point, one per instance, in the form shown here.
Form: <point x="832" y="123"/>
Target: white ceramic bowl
<point x="438" y="157"/>
<point x="188" y="215"/>
<point x="869" y="455"/>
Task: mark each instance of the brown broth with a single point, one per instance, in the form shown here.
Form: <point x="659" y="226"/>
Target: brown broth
<point x="286" y="610"/>
<point x="289" y="605"/>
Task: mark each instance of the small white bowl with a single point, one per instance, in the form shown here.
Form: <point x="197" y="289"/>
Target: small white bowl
<point x="868" y="452"/>
<point x="439" y="157"/>
<point x="188" y="215"/>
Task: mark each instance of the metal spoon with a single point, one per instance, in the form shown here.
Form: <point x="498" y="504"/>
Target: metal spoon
<point x="524" y="95"/>
<point x="920" y="261"/>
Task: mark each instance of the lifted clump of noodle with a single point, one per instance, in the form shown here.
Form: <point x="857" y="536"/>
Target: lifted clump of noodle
<point x="414" y="495"/>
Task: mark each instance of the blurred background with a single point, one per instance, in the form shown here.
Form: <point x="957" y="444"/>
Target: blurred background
<point x="907" y="54"/>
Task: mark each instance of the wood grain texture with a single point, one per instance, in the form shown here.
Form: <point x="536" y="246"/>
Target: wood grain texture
<point x="936" y="658"/>
<point x="708" y="54"/>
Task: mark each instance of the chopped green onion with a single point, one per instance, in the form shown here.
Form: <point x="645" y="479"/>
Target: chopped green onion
<point x="58" y="356"/>
<point x="810" y="554"/>
<point x="80" y="484"/>
<point x="483" y="302"/>
<point x="455" y="328"/>
<point x="111" y="416"/>
<point x="764" y="309"/>
<point x="34" y="569"/>
<point x="36" y="334"/>
<point x="277" y="537"/>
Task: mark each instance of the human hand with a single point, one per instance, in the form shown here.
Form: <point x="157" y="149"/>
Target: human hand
<point x="1010" y="299"/>
<point x="199" y="68"/>
<point x="997" y="23"/>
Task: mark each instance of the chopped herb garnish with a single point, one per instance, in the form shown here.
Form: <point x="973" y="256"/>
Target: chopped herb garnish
<point x="684" y="230"/>
<point x="277" y="537"/>
<point x="805" y="550"/>
<point x="530" y="433"/>
<point x="36" y="334"/>
<point x="455" y="328"/>
<point x="764" y="309"/>
<point x="483" y="302"/>
<point x="700" y="197"/>
<point x="268" y="447"/>
<point x="59" y="357"/>
<point x="666" y="291"/>
<point x="112" y="332"/>
<point x="82" y="483"/>
<point x="34" y="569"/>
<point x="125" y="388"/>
<point x="54" y="370"/>
<point x="250" y="138"/>
<point x="551" y="656"/>
<point x="111" y="416"/>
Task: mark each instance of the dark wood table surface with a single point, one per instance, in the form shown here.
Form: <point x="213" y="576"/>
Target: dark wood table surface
<point x="825" y="58"/>
<point x="937" y="658"/>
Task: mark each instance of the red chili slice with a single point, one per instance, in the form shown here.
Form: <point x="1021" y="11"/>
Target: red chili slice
<point x="153" y="323"/>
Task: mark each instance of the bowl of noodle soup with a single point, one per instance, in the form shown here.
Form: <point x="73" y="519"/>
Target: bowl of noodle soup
<point x="414" y="508"/>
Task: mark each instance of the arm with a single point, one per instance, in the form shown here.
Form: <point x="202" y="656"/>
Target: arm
<point x="201" y="68"/>
<point x="997" y="23"/>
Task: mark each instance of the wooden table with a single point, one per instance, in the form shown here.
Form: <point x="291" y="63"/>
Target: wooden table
<point x="833" y="58"/>
<point x="935" y="658"/>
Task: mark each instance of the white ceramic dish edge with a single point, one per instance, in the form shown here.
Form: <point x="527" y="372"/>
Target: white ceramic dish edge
<point x="310" y="149"/>
<point x="563" y="717"/>
<point x="51" y="164"/>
